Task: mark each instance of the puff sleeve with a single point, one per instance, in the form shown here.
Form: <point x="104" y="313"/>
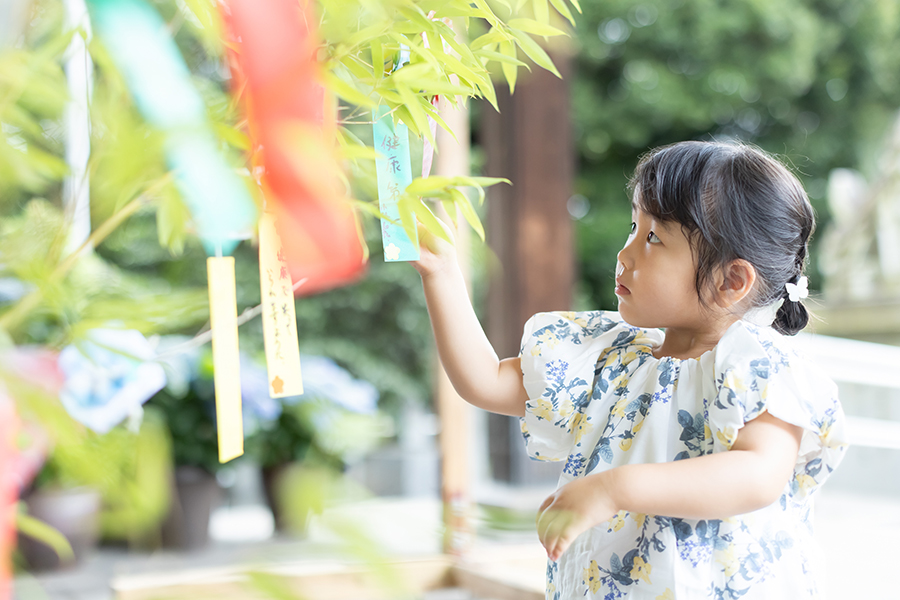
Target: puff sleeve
<point x="558" y="356"/>
<point x="758" y="371"/>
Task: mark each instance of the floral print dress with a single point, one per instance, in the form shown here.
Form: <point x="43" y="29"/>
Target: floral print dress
<point x="600" y="399"/>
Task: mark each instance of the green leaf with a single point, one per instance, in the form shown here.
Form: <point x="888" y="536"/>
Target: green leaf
<point x="422" y="185"/>
<point x="487" y="90"/>
<point x="468" y="211"/>
<point x="413" y="103"/>
<point x="233" y="136"/>
<point x="561" y="8"/>
<point x="354" y="152"/>
<point x="535" y="28"/>
<point x="359" y="69"/>
<point x="40" y="531"/>
<point x="510" y="71"/>
<point x="406" y="207"/>
<point x="370" y="208"/>
<point x="479" y="183"/>
<point x="429" y="221"/>
<point x="541" y="11"/>
<point x="502" y="58"/>
<point x="434" y="114"/>
<point x="346" y="91"/>
<point x="377" y="59"/>
<point x="490" y="16"/>
<point x="576" y="5"/>
<point x="172" y="218"/>
<point x="535" y="52"/>
<point x="403" y="114"/>
<point x="491" y="37"/>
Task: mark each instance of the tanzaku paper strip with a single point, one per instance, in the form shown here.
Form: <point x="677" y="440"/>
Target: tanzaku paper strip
<point x="278" y="317"/>
<point x="394" y="174"/>
<point x="226" y="358"/>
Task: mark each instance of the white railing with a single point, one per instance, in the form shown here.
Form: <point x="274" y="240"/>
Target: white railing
<point x="852" y="361"/>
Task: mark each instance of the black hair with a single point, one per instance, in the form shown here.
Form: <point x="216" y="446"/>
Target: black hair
<point x="733" y="201"/>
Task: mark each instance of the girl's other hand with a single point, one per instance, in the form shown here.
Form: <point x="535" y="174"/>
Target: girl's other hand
<point x="435" y="253"/>
<point x="573" y="509"/>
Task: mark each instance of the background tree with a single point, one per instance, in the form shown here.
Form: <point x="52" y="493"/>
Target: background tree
<point x="813" y="81"/>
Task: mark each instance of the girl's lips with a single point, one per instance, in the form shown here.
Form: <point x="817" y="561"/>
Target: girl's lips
<point x="621" y="290"/>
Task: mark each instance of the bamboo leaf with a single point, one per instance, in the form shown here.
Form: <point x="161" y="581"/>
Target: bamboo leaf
<point x="534" y="51"/>
<point x="561" y="8"/>
<point x="403" y="114"/>
<point x="346" y="91"/>
<point x="491" y="17"/>
<point x="489" y="93"/>
<point x="413" y="103"/>
<point x="428" y="220"/>
<point x="501" y="58"/>
<point x="491" y="37"/>
<point x="541" y="11"/>
<point x="406" y="207"/>
<point x="233" y="136"/>
<point x="535" y="28"/>
<point x="434" y="114"/>
<point x="40" y="531"/>
<point x="422" y="185"/>
<point x="468" y="212"/>
<point x="377" y="59"/>
<point x="511" y="72"/>
<point x="370" y="208"/>
<point x="354" y="152"/>
<point x="358" y="69"/>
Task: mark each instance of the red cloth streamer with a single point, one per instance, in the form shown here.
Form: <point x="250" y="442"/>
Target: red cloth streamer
<point x="272" y="56"/>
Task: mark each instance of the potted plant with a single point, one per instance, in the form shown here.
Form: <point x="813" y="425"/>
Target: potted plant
<point x="187" y="404"/>
<point x="95" y="477"/>
<point x="334" y="422"/>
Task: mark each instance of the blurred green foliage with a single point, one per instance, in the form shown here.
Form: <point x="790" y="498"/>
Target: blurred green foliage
<point x="812" y="81"/>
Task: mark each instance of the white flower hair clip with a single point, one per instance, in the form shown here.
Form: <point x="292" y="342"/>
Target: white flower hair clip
<point x="798" y="291"/>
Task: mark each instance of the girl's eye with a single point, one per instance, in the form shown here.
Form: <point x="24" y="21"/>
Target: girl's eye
<point x="633" y="227"/>
<point x="652" y="238"/>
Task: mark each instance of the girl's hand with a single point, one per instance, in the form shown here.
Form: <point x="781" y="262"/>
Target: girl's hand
<point x="435" y="253"/>
<point x="573" y="509"/>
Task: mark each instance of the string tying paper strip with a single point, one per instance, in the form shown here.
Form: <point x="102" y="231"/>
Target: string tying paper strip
<point x="394" y="174"/>
<point x="221" y="209"/>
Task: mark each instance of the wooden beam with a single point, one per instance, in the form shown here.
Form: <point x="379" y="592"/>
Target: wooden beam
<point x="529" y="230"/>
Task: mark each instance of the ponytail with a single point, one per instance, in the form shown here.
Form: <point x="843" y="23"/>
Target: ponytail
<point x="791" y="318"/>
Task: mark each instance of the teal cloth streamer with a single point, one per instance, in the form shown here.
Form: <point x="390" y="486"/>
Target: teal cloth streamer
<point x="394" y="174"/>
<point x="139" y="44"/>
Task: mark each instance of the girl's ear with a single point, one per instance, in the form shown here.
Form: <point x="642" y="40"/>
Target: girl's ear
<point x="736" y="282"/>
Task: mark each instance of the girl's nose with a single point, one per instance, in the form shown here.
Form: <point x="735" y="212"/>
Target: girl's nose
<point x="624" y="261"/>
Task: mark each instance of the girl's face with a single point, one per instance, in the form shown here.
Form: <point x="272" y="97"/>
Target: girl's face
<point x="656" y="274"/>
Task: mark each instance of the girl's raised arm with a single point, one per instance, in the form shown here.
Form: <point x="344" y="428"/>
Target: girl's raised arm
<point x="474" y="369"/>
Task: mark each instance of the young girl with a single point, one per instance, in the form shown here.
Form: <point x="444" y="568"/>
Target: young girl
<point x="692" y="455"/>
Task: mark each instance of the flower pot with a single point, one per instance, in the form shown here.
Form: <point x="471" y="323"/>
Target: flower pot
<point x="74" y="512"/>
<point x="196" y="492"/>
<point x="274" y="480"/>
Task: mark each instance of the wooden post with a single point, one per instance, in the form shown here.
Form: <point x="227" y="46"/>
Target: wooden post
<point x="529" y="228"/>
<point x="453" y="159"/>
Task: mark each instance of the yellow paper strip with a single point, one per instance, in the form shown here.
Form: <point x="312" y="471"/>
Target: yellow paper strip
<point x="226" y="359"/>
<point x="278" y="317"/>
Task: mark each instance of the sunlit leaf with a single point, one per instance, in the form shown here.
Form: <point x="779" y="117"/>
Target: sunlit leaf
<point x="534" y="27"/>
<point x="534" y="51"/>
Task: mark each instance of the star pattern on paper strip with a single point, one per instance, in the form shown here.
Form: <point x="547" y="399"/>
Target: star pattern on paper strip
<point x="391" y="252"/>
<point x="277" y="385"/>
